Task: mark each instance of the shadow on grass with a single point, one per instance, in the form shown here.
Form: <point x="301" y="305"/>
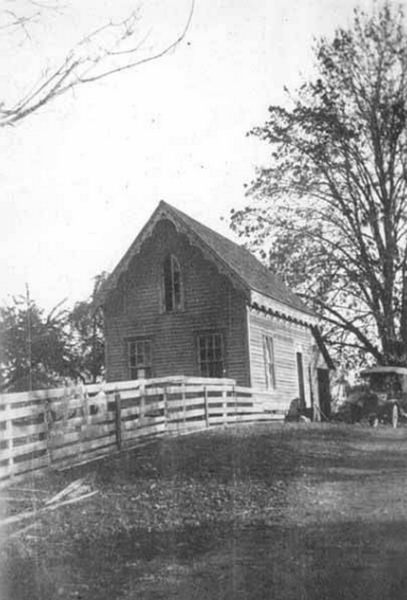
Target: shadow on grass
<point x="261" y="453"/>
<point x="340" y="559"/>
<point x="353" y="560"/>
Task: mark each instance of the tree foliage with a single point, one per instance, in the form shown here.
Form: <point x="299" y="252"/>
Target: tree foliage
<point x="41" y="350"/>
<point x="85" y="323"/>
<point x="35" y="349"/>
<point x="330" y="206"/>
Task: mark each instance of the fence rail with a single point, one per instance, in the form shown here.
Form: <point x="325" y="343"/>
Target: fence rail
<point x="66" y="426"/>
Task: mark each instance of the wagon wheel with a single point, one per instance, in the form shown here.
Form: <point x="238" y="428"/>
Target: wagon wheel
<point x="394" y="415"/>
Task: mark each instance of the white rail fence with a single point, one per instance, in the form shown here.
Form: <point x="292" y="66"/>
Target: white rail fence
<point x="64" y="427"/>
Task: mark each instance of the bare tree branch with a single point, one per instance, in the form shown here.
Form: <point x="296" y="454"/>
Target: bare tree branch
<point x="92" y="59"/>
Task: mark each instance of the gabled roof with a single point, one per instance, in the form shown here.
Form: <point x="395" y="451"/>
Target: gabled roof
<point x="235" y="261"/>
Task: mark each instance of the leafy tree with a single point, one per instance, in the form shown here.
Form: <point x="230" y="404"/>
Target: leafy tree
<point x="35" y="348"/>
<point x="86" y="329"/>
<point x="111" y="48"/>
<point x="330" y="207"/>
<point x="41" y="350"/>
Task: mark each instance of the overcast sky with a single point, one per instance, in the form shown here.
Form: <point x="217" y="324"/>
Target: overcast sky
<point x="80" y="178"/>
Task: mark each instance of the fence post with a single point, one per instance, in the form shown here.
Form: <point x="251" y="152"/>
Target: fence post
<point x="65" y="404"/>
<point x="47" y="423"/>
<point x="224" y="405"/>
<point x="142" y="403"/>
<point x="9" y="438"/>
<point x="184" y="404"/>
<point x="206" y="406"/>
<point x="118" y="417"/>
<point x="165" y="400"/>
<point x="83" y="394"/>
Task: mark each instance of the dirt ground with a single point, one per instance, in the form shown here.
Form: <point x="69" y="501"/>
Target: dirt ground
<point x="302" y="512"/>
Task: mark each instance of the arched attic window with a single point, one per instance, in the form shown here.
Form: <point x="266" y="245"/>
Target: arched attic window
<point x="172" y="284"/>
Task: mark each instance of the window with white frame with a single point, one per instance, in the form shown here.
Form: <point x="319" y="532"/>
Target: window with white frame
<point x="211" y="354"/>
<point x="172" y="285"/>
<point x="139" y="359"/>
<point x="268" y="353"/>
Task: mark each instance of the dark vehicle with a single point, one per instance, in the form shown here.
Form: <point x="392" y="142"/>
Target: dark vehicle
<point x="384" y="399"/>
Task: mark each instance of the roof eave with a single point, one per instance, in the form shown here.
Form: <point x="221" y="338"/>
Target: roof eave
<point x="164" y="211"/>
<point x="281" y="309"/>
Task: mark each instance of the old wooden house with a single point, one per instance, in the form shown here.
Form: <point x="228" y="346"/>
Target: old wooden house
<point x="185" y="300"/>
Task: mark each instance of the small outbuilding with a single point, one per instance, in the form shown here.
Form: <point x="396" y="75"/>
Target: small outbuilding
<point x="185" y="300"/>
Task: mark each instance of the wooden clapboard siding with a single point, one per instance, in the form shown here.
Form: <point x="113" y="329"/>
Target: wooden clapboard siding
<point x="288" y="339"/>
<point x="210" y="303"/>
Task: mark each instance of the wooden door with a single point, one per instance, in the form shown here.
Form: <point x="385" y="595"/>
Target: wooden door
<point x="324" y="394"/>
<point x="300" y="374"/>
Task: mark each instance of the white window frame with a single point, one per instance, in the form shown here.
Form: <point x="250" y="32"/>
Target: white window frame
<point x="139" y="358"/>
<point x="208" y="343"/>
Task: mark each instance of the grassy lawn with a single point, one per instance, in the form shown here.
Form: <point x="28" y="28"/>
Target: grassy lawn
<point x="265" y="511"/>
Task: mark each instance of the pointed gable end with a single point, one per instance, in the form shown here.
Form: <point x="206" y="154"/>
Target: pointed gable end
<point x="246" y="272"/>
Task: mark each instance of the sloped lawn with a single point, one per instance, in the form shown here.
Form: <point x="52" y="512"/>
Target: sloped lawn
<point x="265" y="511"/>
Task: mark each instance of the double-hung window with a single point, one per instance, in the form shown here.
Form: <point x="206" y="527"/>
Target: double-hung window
<point x="139" y="359"/>
<point x="211" y="354"/>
